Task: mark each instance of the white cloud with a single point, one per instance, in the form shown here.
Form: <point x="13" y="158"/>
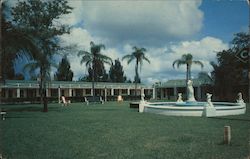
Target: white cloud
<point x="119" y="25"/>
<point x="162" y="58"/>
<point x="160" y="67"/>
<point x="128" y="21"/>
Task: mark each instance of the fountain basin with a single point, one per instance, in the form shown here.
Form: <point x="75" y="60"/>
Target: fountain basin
<point x="194" y="108"/>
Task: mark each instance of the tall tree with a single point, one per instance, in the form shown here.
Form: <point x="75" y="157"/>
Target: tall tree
<point x="94" y="60"/>
<point x="100" y="74"/>
<point x="16" y="44"/>
<point x="230" y="74"/>
<point x="187" y="59"/>
<point x="116" y="73"/>
<point x="139" y="56"/>
<point x="64" y="73"/>
<point x="38" y="18"/>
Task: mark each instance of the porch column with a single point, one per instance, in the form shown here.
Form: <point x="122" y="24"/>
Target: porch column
<point x="112" y="91"/>
<point x="18" y="92"/>
<point x="59" y="94"/>
<point x="91" y="92"/>
<point x="83" y="92"/>
<point x="70" y="92"/>
<point x="142" y="91"/>
<point x="128" y="91"/>
<point x="154" y="94"/>
<point x="105" y="94"/>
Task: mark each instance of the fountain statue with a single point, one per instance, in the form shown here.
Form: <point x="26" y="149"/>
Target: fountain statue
<point x="142" y="97"/>
<point x="142" y="102"/>
<point x="209" y="109"/>
<point x="190" y="92"/>
<point x="240" y="99"/>
<point x="179" y="100"/>
<point x="209" y="101"/>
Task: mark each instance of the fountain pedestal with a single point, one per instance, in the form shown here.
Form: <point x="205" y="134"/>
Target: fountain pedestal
<point x="209" y="111"/>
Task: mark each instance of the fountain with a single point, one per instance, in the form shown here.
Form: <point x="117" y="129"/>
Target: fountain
<point x="191" y="107"/>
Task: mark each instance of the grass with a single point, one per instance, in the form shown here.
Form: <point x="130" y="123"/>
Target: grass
<point x="113" y="130"/>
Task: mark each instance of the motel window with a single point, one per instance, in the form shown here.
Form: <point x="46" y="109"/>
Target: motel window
<point x="21" y="93"/>
<point x="78" y="92"/>
<point x="88" y="91"/>
<point x="54" y="92"/>
<point x="116" y="91"/>
<point x="124" y="91"/>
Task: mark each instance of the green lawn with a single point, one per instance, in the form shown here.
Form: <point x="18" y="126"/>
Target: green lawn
<point x="113" y="130"/>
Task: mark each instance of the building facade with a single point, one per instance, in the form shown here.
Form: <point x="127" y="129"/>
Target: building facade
<point x="14" y="91"/>
<point x="21" y="90"/>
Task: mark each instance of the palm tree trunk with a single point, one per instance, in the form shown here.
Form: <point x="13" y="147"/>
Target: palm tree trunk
<point x="44" y="96"/>
<point x="187" y="78"/>
<point x="93" y="80"/>
<point x="189" y="73"/>
<point x="136" y="77"/>
<point x="41" y="86"/>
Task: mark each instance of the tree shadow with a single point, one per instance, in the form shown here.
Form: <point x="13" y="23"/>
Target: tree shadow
<point x="21" y="117"/>
<point x="30" y="109"/>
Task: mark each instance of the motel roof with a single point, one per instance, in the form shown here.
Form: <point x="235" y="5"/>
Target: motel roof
<point x="70" y="84"/>
<point x="182" y="82"/>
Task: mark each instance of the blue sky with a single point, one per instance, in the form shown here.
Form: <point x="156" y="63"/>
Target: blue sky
<point x="167" y="29"/>
<point x="224" y="18"/>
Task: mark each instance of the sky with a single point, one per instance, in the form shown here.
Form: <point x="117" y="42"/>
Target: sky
<point x="166" y="28"/>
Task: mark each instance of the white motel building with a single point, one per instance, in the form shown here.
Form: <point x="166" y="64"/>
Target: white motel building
<point x="14" y="91"/>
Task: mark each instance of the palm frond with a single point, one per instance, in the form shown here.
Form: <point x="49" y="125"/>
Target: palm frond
<point x="130" y="60"/>
<point x="188" y="57"/>
<point x="135" y="48"/>
<point x="82" y="53"/>
<point x="105" y="59"/>
<point x="31" y="67"/>
<point x="101" y="46"/>
<point x="198" y="63"/>
<point x="128" y="57"/>
<point x="92" y="44"/>
<point x="86" y="59"/>
<point x="143" y="49"/>
<point x="145" y="58"/>
<point x="178" y="62"/>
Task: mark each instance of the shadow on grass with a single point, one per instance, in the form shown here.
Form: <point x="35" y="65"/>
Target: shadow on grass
<point x="30" y="109"/>
<point x="230" y="118"/>
<point x="21" y="117"/>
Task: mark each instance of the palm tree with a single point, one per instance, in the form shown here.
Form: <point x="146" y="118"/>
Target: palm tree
<point x="139" y="56"/>
<point x="16" y="44"/>
<point x="93" y="58"/>
<point x="44" y="62"/>
<point x="187" y="59"/>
